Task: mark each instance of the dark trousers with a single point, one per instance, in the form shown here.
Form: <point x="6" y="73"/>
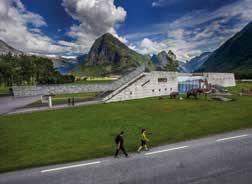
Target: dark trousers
<point x="123" y="150"/>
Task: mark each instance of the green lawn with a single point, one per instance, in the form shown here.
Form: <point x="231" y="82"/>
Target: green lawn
<point x="76" y="95"/>
<point x="81" y="133"/>
<point x="4" y="91"/>
<point x="63" y="99"/>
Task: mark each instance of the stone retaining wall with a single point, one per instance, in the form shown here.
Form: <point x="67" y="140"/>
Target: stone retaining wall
<point x="21" y="91"/>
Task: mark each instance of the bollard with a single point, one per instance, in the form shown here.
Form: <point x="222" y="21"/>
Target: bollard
<point x="50" y="101"/>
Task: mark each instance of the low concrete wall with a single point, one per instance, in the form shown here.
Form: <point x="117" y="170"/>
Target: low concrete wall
<point x="222" y="79"/>
<point x="21" y="91"/>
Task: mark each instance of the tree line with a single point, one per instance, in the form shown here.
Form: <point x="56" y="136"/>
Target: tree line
<point x="29" y="70"/>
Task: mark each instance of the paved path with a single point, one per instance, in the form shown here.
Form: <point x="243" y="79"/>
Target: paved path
<point x="220" y="159"/>
<point x="46" y="108"/>
<point x="8" y="104"/>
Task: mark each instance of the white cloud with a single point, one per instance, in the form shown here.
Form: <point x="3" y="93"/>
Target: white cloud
<point x="15" y="20"/>
<point x="187" y="36"/>
<point x="197" y="31"/>
<point x="148" y="46"/>
<point x="241" y="10"/>
<point x="160" y="3"/>
<point x="95" y="17"/>
<point x="4" y="8"/>
<point x="176" y="42"/>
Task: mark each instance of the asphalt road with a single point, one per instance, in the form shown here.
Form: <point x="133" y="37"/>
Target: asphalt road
<point x="8" y="104"/>
<point x="220" y="159"/>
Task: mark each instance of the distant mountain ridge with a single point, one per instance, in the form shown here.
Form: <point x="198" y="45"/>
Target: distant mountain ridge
<point x="108" y="55"/>
<point x="195" y="63"/>
<point x="62" y="64"/>
<point x="165" y="61"/>
<point x="6" y="49"/>
<point x="235" y="55"/>
<point x="65" y="65"/>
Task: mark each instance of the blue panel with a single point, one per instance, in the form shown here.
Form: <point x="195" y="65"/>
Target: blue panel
<point x="185" y="86"/>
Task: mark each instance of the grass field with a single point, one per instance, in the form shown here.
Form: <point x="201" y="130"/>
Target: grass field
<point x="63" y="99"/>
<point x="4" y="91"/>
<point x="81" y="133"/>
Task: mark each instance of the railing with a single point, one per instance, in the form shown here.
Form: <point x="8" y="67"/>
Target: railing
<point x="126" y="78"/>
<point x="120" y="89"/>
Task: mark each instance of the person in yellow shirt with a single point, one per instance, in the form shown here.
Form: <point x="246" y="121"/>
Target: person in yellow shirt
<point x="144" y="141"/>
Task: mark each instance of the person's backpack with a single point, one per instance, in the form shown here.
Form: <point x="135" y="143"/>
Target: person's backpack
<point x="117" y="139"/>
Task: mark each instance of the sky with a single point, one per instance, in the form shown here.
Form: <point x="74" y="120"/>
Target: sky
<point x="69" y="27"/>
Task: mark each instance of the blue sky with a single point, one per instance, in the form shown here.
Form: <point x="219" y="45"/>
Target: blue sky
<point x="69" y="27"/>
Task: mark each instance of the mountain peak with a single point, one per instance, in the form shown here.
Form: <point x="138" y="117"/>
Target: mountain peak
<point x="108" y="35"/>
<point x="165" y="61"/>
<point x="108" y="55"/>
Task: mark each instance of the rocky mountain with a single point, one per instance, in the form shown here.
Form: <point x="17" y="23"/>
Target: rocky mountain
<point x="165" y="61"/>
<point x="195" y="63"/>
<point x="108" y="55"/>
<point x="6" y="49"/>
<point x="235" y="55"/>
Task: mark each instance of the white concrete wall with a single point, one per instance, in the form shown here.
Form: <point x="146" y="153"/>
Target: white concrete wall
<point x="222" y="79"/>
<point x="147" y="85"/>
<point x="139" y="87"/>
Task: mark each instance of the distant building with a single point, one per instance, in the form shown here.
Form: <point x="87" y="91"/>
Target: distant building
<point x="135" y="85"/>
<point x="157" y="83"/>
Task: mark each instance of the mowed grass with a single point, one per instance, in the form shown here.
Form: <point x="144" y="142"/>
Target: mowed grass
<point x="63" y="99"/>
<point x="81" y="133"/>
<point x="4" y="91"/>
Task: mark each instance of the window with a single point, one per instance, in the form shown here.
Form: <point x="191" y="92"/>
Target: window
<point x="159" y="90"/>
<point x="131" y="93"/>
<point x="165" y="89"/>
<point x="170" y="89"/>
<point x="162" y="79"/>
<point x="153" y="90"/>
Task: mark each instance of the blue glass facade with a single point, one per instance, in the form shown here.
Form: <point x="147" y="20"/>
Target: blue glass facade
<point x="184" y="86"/>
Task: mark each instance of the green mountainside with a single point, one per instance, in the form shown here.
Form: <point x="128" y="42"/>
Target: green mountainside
<point x="235" y="55"/>
<point x="107" y="56"/>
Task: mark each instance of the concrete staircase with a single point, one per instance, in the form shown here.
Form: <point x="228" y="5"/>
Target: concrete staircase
<point x="123" y="87"/>
<point x="126" y="78"/>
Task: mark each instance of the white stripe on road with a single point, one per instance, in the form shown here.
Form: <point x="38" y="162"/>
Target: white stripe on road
<point x="229" y="138"/>
<point x="149" y="153"/>
<point x="69" y="167"/>
<point x="166" y="150"/>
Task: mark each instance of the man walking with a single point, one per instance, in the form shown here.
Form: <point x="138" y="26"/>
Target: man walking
<point x="73" y="101"/>
<point x="120" y="144"/>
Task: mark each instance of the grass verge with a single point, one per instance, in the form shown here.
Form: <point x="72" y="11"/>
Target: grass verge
<point x="4" y="91"/>
<point x="63" y="99"/>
